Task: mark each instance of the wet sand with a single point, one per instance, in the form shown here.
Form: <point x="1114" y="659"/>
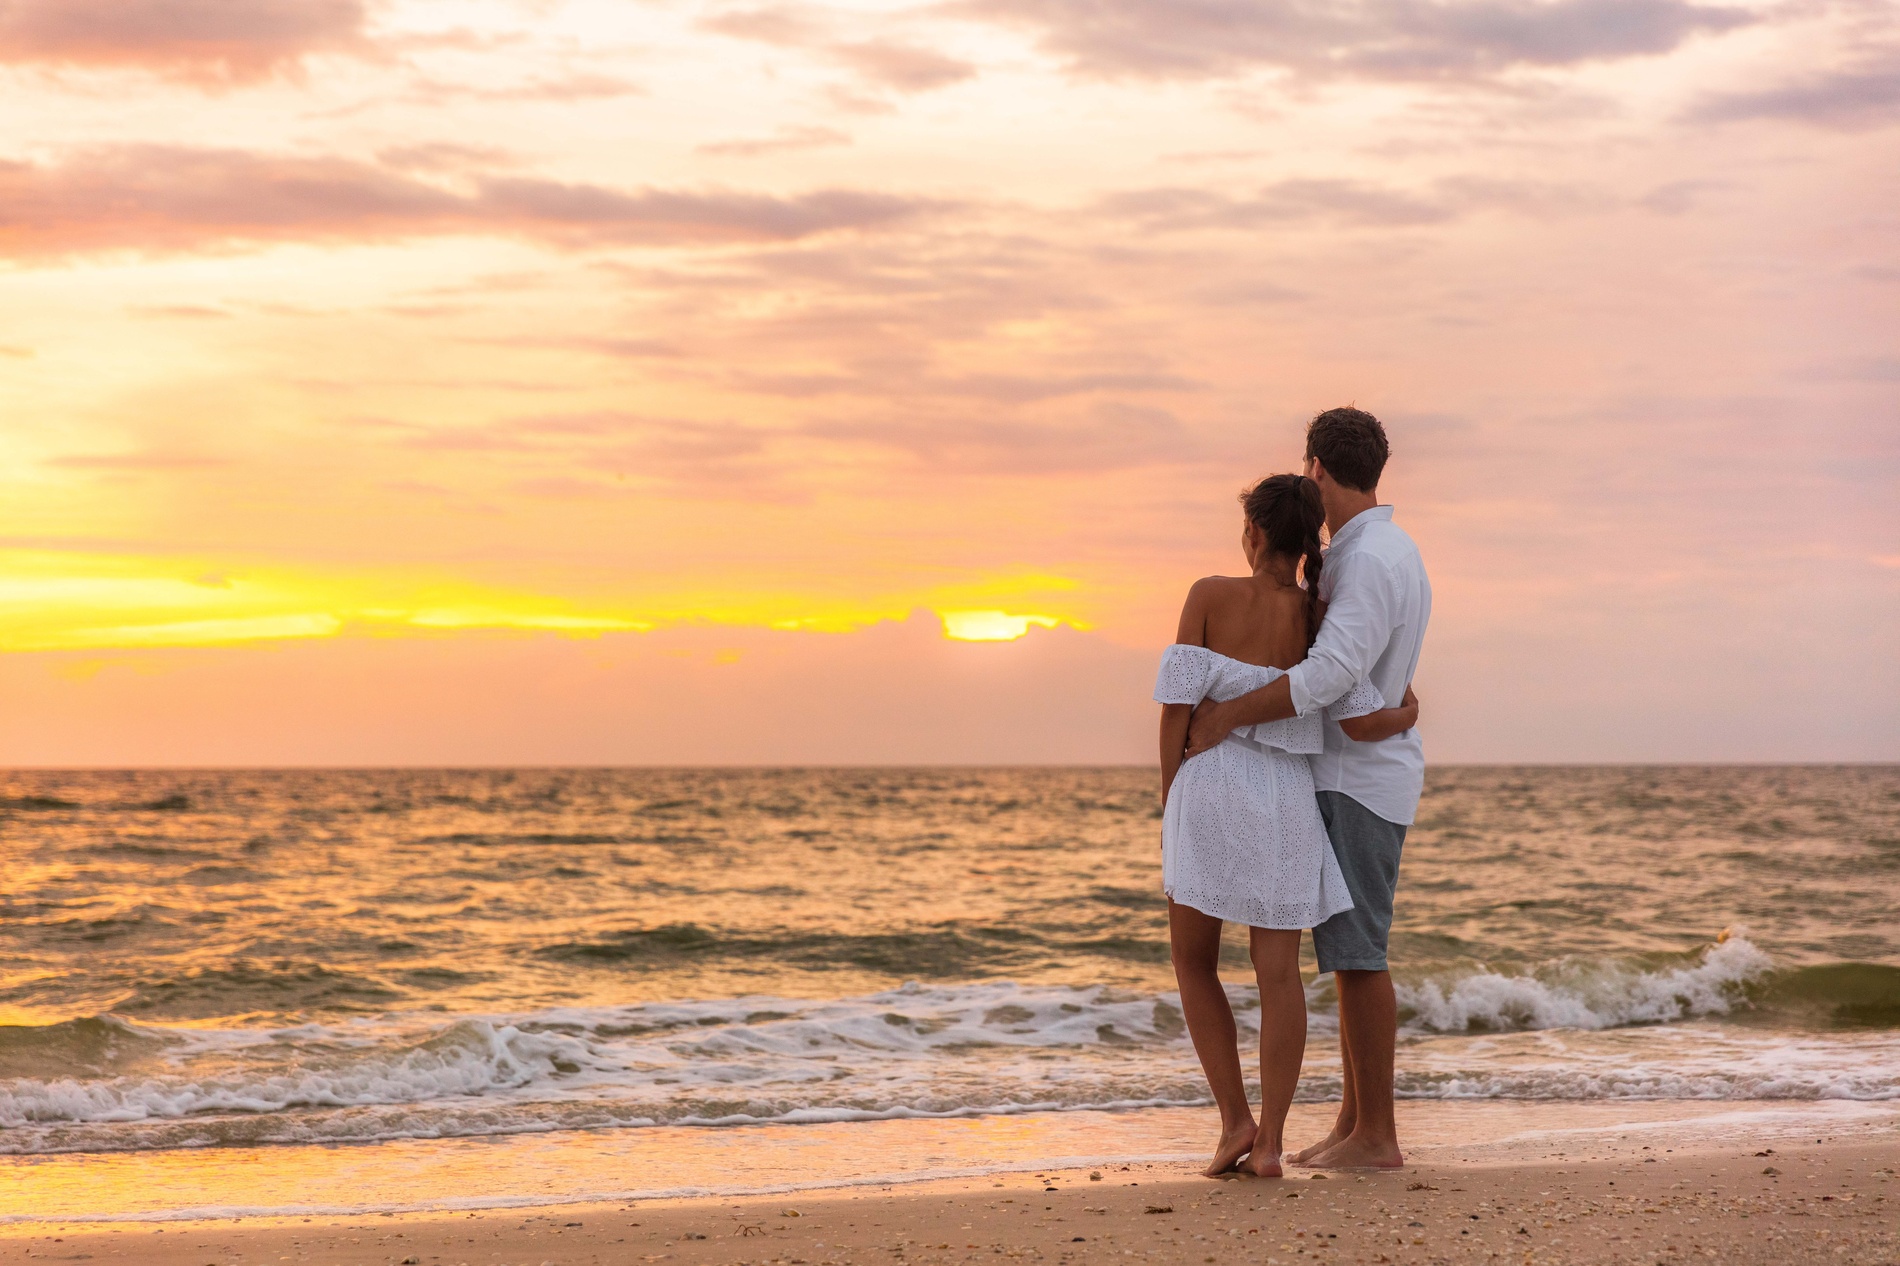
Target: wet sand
<point x="1829" y="1201"/>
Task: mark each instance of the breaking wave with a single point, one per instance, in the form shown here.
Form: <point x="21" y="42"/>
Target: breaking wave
<point x="1568" y="1030"/>
<point x="1589" y="994"/>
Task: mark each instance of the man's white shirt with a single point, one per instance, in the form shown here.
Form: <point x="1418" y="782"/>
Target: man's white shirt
<point x="1378" y="601"/>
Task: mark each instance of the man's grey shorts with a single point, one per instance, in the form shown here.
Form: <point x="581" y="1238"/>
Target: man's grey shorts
<point x="1368" y="849"/>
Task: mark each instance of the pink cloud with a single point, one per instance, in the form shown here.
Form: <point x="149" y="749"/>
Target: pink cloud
<point x="191" y="39"/>
<point x="898" y="65"/>
<point x="1863" y="94"/>
<point x="903" y="67"/>
<point x="153" y="198"/>
<point x="786" y="138"/>
<point x="1385" y="39"/>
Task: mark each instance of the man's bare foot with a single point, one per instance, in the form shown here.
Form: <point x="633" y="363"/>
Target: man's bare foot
<point x="1360" y="1153"/>
<point x="1262" y="1163"/>
<point x="1306" y="1154"/>
<point x="1234" y="1144"/>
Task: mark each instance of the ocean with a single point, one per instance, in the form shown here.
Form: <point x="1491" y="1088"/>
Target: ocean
<point x="207" y="964"/>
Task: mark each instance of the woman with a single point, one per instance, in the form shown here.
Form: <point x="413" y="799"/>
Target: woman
<point x="1241" y="835"/>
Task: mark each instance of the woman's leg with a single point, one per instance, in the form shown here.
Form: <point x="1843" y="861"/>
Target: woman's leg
<point x="1194" y="941"/>
<point x="1276" y="964"/>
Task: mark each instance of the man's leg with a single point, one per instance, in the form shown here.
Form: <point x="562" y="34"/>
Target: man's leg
<point x="1348" y="1094"/>
<point x="1369" y="1012"/>
<point x="1352" y="946"/>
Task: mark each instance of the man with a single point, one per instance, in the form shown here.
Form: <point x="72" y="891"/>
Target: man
<point x="1378" y="601"/>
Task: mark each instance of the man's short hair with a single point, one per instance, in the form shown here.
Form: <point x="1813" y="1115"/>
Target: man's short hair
<point x="1351" y="445"/>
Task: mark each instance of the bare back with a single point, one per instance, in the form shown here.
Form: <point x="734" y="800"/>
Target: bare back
<point x="1254" y="619"/>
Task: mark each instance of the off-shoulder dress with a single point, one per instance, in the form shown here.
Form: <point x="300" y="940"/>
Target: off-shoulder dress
<point x="1241" y="835"/>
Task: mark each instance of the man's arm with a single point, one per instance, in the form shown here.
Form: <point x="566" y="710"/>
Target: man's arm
<point x="1213" y="722"/>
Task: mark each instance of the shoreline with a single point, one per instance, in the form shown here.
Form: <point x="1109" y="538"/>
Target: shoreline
<point x="1584" y="1182"/>
<point x="1826" y="1199"/>
<point x="544" y="1170"/>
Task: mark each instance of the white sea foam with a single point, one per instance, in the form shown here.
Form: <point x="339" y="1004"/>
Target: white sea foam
<point x="1588" y="995"/>
<point x="1562" y="1033"/>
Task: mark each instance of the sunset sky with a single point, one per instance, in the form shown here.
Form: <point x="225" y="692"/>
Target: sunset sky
<point x="616" y="381"/>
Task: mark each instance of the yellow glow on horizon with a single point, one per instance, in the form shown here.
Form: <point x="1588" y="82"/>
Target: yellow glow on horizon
<point x="205" y="632"/>
<point x="496" y="618"/>
<point x="71" y="601"/>
<point x="991" y="626"/>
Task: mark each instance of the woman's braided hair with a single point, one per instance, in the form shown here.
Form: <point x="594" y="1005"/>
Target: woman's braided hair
<point x="1287" y="510"/>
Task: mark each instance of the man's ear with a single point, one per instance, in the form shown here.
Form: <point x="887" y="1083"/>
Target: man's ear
<point x="1316" y="470"/>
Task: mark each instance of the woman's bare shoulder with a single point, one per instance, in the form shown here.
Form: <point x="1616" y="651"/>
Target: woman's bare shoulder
<point x="1214" y="594"/>
<point x="1211" y="586"/>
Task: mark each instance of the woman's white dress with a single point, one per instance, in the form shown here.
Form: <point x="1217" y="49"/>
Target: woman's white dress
<point x="1241" y="835"/>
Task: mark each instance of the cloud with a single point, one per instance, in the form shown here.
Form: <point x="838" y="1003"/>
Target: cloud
<point x="634" y="349"/>
<point x="1861" y="97"/>
<point x="783" y="26"/>
<point x="1855" y="369"/>
<point x="665" y="216"/>
<point x="139" y="461"/>
<point x="182" y="311"/>
<point x="902" y="67"/>
<point x="559" y="89"/>
<point x="1110" y="435"/>
<point x="152" y="198"/>
<point x="1679" y="197"/>
<point x="894" y="64"/>
<point x="1380" y="39"/>
<point x="990" y="388"/>
<point x="443" y="156"/>
<point x="212" y="40"/>
<point x="1343" y="201"/>
<point x="786" y="138"/>
<point x="608" y="452"/>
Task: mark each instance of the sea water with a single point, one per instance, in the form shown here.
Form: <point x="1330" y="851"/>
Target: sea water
<point x="206" y="963"/>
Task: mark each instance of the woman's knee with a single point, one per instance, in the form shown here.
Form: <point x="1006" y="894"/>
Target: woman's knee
<point x="1276" y="957"/>
<point x="1194" y="959"/>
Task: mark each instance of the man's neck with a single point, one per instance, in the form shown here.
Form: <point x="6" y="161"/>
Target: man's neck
<point x="1347" y="504"/>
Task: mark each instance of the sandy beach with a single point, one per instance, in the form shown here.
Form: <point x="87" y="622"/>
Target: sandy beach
<point x="1830" y="1200"/>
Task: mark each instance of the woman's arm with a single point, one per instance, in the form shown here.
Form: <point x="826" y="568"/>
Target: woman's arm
<point x="1384" y="723"/>
<point x="1174" y="728"/>
<point x="1192" y="631"/>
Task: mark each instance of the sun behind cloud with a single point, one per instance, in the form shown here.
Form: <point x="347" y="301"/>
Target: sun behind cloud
<point x="992" y="626"/>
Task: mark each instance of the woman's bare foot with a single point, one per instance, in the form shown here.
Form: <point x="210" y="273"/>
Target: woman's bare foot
<point x="1234" y="1144"/>
<point x="1262" y="1162"/>
<point x="1360" y="1153"/>
<point x="1307" y="1155"/>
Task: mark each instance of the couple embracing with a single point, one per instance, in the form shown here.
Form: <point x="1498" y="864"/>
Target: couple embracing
<point x="1290" y="768"/>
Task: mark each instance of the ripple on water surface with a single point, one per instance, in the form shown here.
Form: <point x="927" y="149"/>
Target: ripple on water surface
<point x="225" y="957"/>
